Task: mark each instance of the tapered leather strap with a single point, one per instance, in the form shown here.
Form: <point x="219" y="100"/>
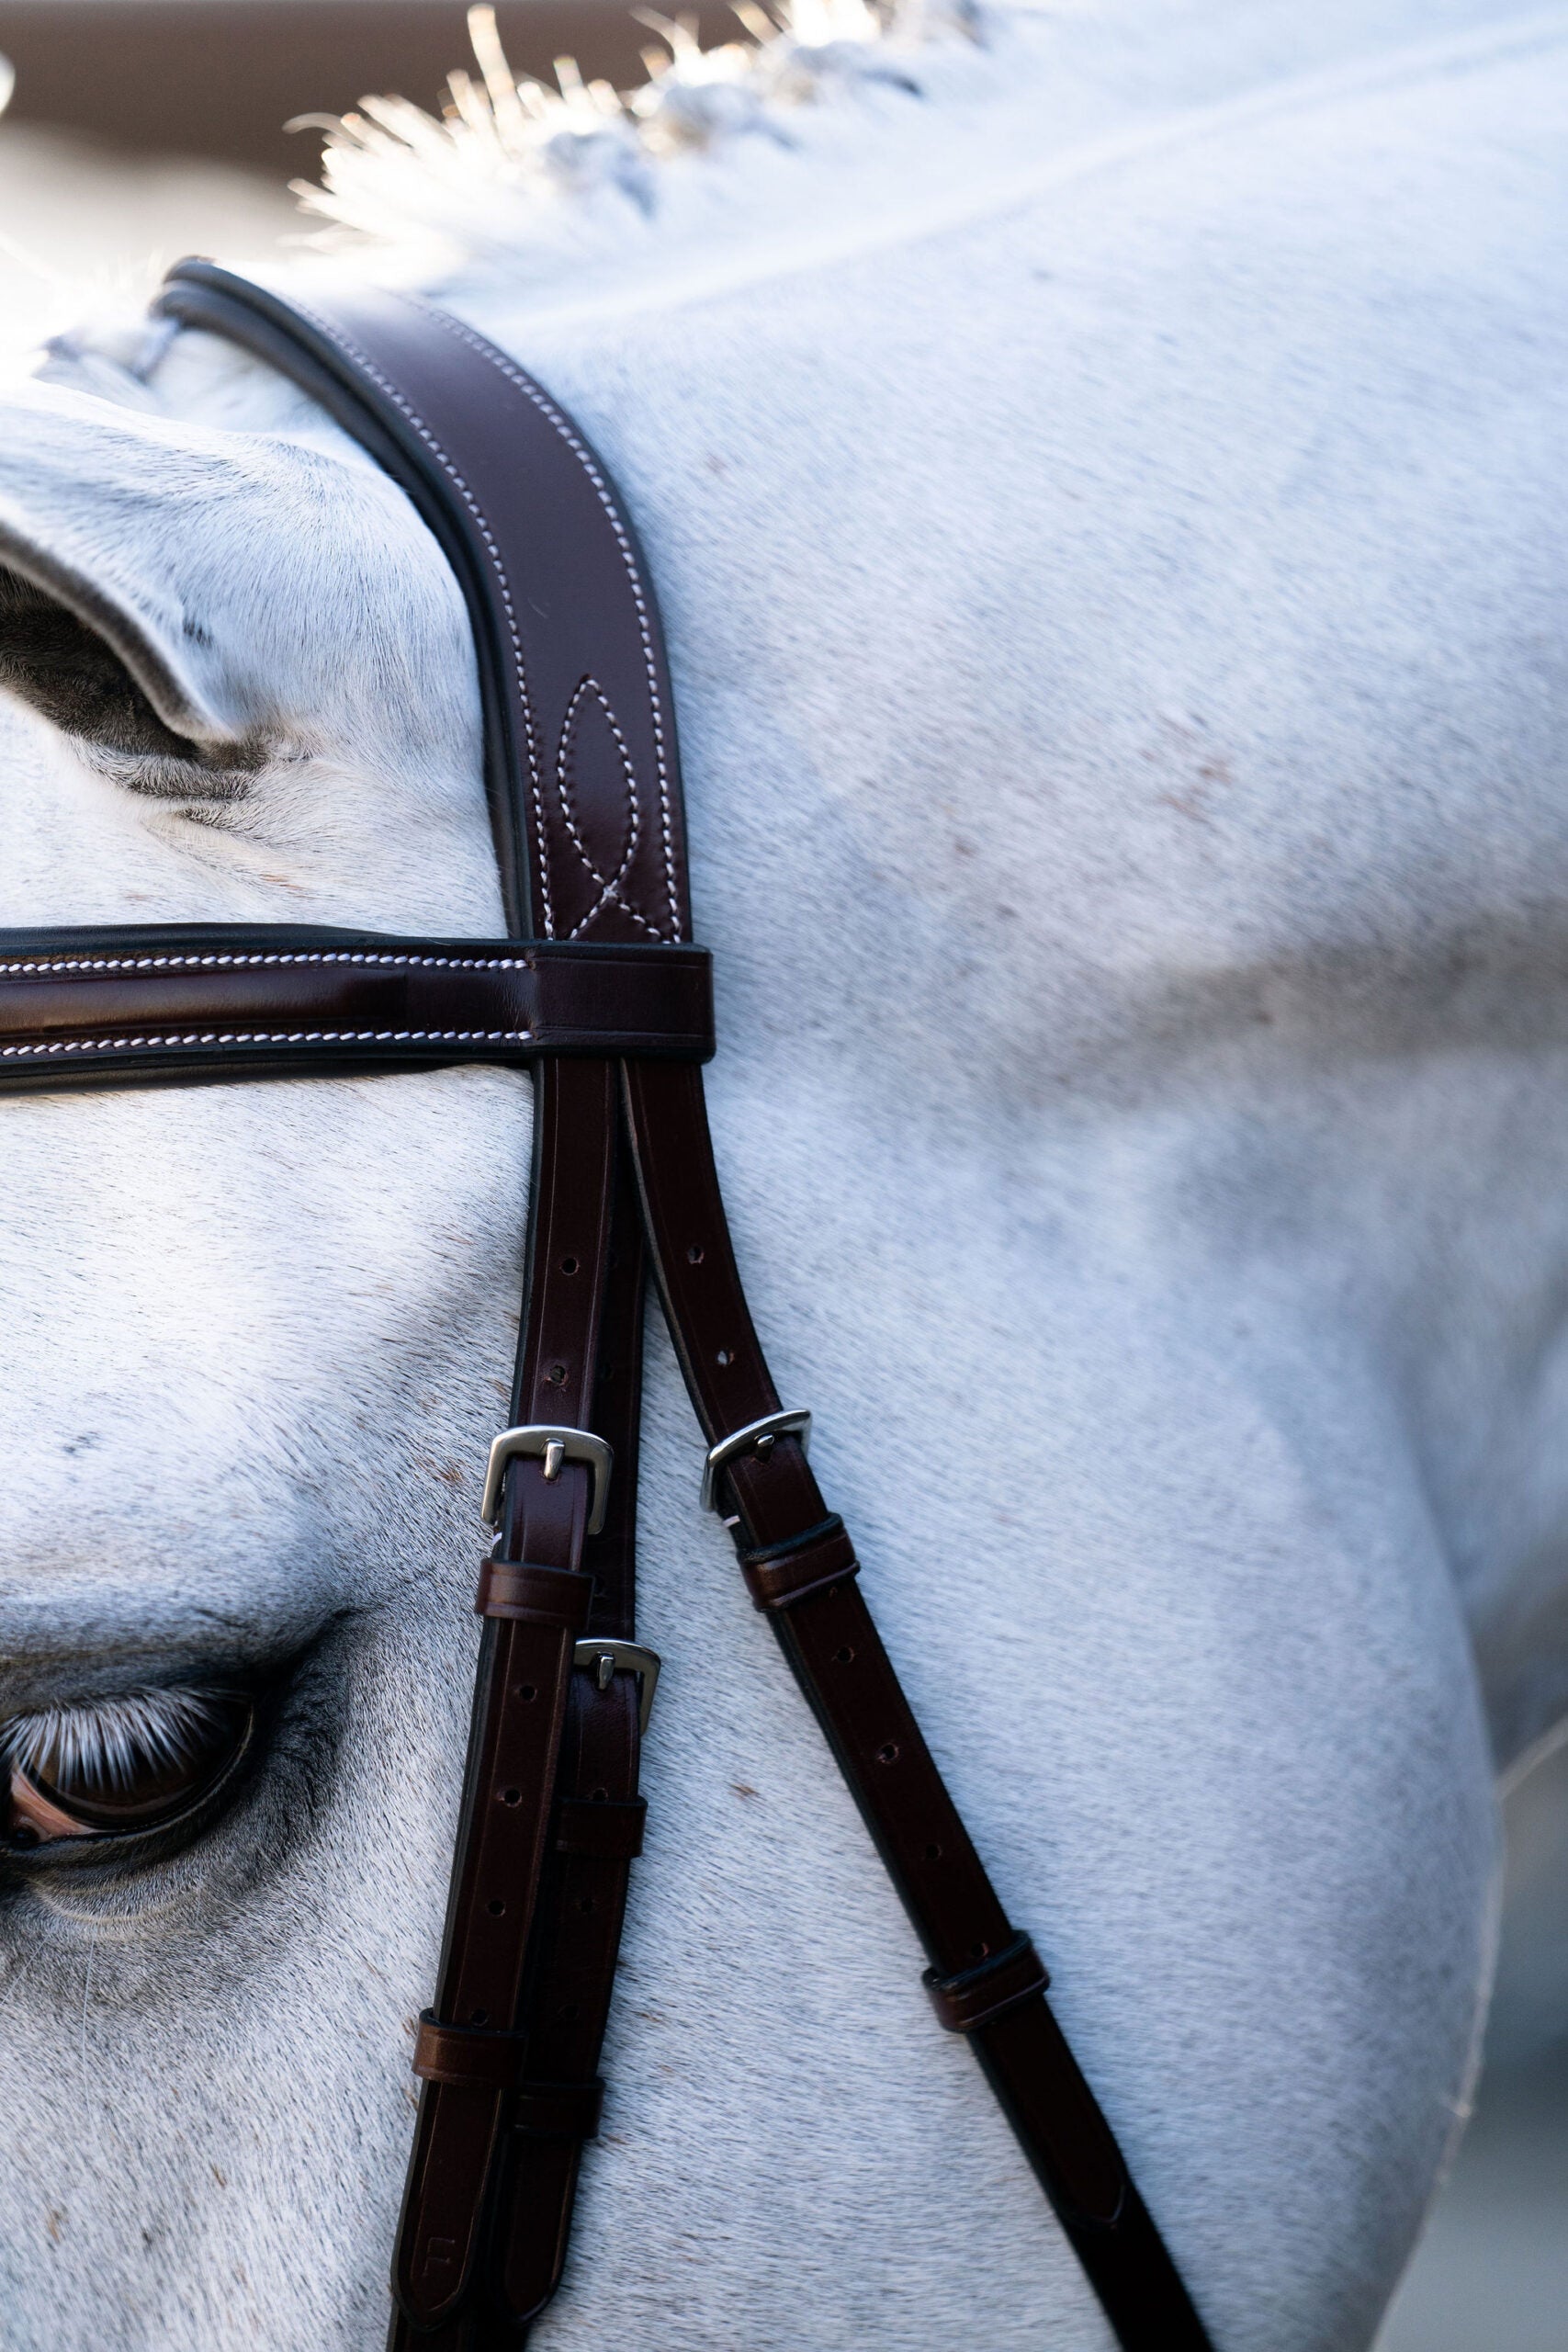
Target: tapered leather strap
<point x="988" y="1982"/>
<point x="581" y="754"/>
<point x="596" y="1826"/>
<point x="580" y="733"/>
<point x="521" y="1705"/>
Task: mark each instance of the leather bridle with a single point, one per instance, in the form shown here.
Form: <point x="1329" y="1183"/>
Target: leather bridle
<point x="600" y="993"/>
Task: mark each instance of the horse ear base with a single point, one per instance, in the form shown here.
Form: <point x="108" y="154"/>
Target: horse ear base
<point x="70" y="676"/>
<point x="102" y="658"/>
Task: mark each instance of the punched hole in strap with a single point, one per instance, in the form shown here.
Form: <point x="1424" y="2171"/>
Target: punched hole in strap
<point x="975" y="1995"/>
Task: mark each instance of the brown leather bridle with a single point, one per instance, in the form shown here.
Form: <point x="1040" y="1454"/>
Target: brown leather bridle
<point x="600" y="993"/>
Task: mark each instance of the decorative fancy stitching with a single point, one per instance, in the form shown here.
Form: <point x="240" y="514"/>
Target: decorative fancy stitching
<point x="277" y="1037"/>
<point x="362" y="360"/>
<point x="610" y="891"/>
<point x="580" y="450"/>
<point x="206" y="962"/>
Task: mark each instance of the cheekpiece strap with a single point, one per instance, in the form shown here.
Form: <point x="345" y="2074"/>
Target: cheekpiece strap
<point x="586" y="797"/>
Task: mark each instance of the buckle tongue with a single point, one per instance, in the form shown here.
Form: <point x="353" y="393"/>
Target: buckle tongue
<point x="542" y="1442"/>
<point x="756" y="1437"/>
<point x="608" y="1659"/>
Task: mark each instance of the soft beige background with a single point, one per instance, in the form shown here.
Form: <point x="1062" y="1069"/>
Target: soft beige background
<point x="78" y="224"/>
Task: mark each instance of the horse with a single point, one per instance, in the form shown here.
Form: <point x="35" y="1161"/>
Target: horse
<point x="1102" y="473"/>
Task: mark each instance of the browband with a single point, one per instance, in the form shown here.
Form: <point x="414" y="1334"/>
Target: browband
<point x="601" y="992"/>
<point x="237" y="1000"/>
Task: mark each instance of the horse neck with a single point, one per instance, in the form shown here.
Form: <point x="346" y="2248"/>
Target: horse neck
<point x="978" y="861"/>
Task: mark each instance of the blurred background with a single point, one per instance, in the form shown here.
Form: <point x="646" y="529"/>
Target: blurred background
<point x="137" y="133"/>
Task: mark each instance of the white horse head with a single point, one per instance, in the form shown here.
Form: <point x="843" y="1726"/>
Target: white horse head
<point x="1103" y="516"/>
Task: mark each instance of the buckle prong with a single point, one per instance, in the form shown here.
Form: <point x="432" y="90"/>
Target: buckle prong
<point x="756" y="1437"/>
<point x="610" y="1657"/>
<point x="555" y="1447"/>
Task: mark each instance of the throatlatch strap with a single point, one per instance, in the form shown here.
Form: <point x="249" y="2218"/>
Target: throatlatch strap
<point x="838" y="1659"/>
<point x="580" y="753"/>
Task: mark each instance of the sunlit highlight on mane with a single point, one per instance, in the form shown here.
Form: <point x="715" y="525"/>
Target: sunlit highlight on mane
<point x="508" y="154"/>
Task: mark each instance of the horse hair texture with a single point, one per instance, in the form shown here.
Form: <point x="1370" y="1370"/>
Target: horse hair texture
<point x="1102" y="470"/>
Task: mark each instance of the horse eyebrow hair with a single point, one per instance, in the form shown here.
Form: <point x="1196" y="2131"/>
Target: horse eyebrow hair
<point x="231" y="1642"/>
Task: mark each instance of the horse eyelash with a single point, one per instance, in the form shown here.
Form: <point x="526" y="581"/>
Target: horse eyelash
<point x="107" y="1740"/>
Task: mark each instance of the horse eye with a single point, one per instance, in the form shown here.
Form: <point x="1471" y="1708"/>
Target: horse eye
<point x="119" y="1765"/>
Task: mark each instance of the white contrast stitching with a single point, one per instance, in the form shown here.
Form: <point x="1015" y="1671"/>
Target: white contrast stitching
<point x="277" y="1038"/>
<point x="579" y="449"/>
<point x="610" y="891"/>
<point x="362" y="360"/>
<point x="208" y="963"/>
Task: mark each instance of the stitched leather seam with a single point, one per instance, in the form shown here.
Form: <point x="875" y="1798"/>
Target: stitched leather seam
<point x="277" y="1037"/>
<point x="235" y="963"/>
<point x="580" y="450"/>
<point x="362" y="360"/>
<point x="609" y="893"/>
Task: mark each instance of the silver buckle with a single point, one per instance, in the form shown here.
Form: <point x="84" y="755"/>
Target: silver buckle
<point x="756" y="1437"/>
<point x="540" y="1441"/>
<point x="621" y="1658"/>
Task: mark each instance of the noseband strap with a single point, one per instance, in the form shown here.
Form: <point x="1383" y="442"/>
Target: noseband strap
<point x="603" y="994"/>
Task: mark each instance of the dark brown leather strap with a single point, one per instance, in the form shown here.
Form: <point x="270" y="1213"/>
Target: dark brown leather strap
<point x="777" y="1513"/>
<point x="580" y="723"/>
<point x="525" y="1678"/>
<point x="599" y="1815"/>
<point x="582" y="759"/>
<point x="523" y="1590"/>
<point x="780" y="1575"/>
<point x="248" y="1002"/>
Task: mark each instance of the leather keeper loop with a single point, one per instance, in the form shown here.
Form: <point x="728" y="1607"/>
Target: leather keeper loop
<point x="975" y="1995"/>
<point x="557" y="1597"/>
<point x="558" y="2110"/>
<point x="782" y="1573"/>
<point x="609" y="1827"/>
<point x="476" y="2057"/>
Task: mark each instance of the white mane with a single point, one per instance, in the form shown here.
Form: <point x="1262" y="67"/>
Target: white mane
<point x="516" y="172"/>
<point x="1104" y="509"/>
